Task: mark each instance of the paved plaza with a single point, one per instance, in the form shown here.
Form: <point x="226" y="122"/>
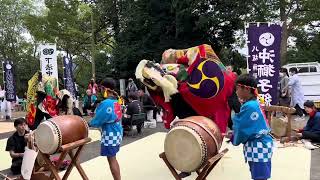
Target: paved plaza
<point x="139" y="159"/>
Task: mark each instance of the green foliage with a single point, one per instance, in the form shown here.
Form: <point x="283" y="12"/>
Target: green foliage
<point x="148" y="27"/>
<point x="233" y="58"/>
<point x="307" y="48"/>
<point x="128" y="31"/>
<point x="68" y="24"/>
<point x="295" y="15"/>
<point x="104" y="67"/>
<point x="82" y="73"/>
<point x="14" y="42"/>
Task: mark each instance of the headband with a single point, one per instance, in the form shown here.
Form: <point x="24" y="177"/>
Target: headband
<point x="255" y="90"/>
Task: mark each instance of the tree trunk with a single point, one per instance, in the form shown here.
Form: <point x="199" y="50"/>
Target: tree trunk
<point x="35" y="50"/>
<point x="115" y="17"/>
<point x="284" y="43"/>
<point x="284" y="37"/>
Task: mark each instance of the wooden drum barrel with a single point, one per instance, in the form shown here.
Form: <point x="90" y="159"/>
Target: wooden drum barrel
<point x="55" y="132"/>
<point x="191" y="142"/>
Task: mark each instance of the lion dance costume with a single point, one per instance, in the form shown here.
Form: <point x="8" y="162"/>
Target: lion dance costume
<point x="189" y="82"/>
<point x="43" y="98"/>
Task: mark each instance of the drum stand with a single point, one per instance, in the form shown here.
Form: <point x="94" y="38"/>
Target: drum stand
<point x="202" y="173"/>
<point x="65" y="149"/>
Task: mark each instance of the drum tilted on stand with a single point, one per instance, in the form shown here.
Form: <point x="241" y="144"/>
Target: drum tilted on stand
<point x="191" y="142"/>
<point x="55" y="132"/>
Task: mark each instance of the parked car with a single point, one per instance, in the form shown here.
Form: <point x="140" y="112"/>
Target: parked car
<point x="309" y="74"/>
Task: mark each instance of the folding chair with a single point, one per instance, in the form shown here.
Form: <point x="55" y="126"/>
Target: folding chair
<point x="137" y="120"/>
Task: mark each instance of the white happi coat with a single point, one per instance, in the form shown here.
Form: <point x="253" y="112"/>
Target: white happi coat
<point x="70" y="102"/>
<point x="297" y="95"/>
<point x="5" y="105"/>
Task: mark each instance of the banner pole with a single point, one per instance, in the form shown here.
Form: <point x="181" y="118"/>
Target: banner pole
<point x="3" y="77"/>
<point x="64" y="74"/>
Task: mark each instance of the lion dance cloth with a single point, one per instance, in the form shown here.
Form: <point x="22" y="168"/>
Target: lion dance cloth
<point x="197" y="75"/>
<point x="41" y="96"/>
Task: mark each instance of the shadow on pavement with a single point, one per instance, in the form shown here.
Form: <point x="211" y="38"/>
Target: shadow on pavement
<point x="92" y="150"/>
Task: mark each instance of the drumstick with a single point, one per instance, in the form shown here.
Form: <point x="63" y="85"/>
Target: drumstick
<point x="272" y="136"/>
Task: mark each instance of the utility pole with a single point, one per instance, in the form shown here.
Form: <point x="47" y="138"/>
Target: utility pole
<point x="93" y="65"/>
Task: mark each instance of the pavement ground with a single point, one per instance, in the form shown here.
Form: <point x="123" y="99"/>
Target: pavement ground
<point x="139" y="159"/>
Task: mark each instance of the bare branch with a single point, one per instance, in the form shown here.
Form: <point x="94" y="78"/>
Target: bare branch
<point x="290" y="8"/>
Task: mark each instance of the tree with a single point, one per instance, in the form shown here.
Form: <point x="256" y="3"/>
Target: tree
<point x="233" y="58"/>
<point x="25" y="67"/>
<point x="295" y="15"/>
<point x="104" y="66"/>
<point x="306" y="48"/>
<point x="68" y="24"/>
<point x="145" y="28"/>
<point x="11" y="20"/>
<point x="15" y="44"/>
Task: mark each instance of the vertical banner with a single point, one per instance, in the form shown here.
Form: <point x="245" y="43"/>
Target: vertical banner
<point x="264" y="40"/>
<point x="8" y="78"/>
<point x="48" y="59"/>
<point x="68" y="76"/>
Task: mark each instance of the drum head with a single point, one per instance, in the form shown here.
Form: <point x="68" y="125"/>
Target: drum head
<point x="183" y="149"/>
<point x="47" y="137"/>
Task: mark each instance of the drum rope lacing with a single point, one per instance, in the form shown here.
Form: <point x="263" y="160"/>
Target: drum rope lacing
<point x="87" y="126"/>
<point x="203" y="145"/>
<point x="59" y="135"/>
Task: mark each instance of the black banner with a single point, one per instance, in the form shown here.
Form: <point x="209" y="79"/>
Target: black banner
<point x="8" y="79"/>
<point x="68" y="76"/>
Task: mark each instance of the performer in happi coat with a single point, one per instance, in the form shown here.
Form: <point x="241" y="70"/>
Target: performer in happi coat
<point x="251" y="129"/>
<point x="107" y="117"/>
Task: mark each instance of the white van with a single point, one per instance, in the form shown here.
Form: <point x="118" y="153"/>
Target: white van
<point x="309" y="74"/>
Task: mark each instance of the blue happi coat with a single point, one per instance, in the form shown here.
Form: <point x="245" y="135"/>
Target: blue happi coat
<point x="108" y="116"/>
<point x="251" y="130"/>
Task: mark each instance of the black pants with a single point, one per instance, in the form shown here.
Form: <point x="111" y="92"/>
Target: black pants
<point x="314" y="137"/>
<point x="155" y="111"/>
<point x="76" y="111"/>
<point x="86" y="107"/>
<point x="126" y="122"/>
<point x="16" y="166"/>
<point x="299" y="110"/>
<point x="234" y="105"/>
